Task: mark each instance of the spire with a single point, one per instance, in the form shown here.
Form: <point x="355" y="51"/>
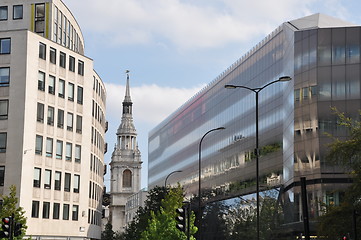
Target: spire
<point x="126" y="127"/>
<point x="127" y="89"/>
<point x="127" y="103"/>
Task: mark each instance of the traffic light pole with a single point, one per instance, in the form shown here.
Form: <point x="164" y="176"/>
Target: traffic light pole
<point x="188" y="221"/>
<point x="12" y="227"/>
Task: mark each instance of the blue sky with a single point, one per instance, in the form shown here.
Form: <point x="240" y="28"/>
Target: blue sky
<point x="173" y="48"/>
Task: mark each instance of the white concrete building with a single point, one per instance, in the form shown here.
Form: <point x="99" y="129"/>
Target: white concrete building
<point x="52" y="120"/>
<point x="125" y="166"/>
<point x="134" y="202"/>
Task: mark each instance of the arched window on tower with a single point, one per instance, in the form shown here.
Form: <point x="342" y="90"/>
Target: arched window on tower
<point x="127" y="178"/>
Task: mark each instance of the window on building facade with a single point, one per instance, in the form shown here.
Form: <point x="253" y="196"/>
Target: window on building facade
<point x="4" y="76"/>
<point x="5" y="45"/>
<point x="60" y="118"/>
<point x="60" y="23"/>
<point x="59" y="149"/>
<point x="67" y="182"/>
<point x="37" y="177"/>
<point x="69" y="122"/>
<point x="77" y="153"/>
<point x="56" y="210"/>
<point x="3" y="13"/>
<point x="75" y="213"/>
<point x="42" y="51"/>
<point x="62" y="60"/>
<point x="61" y="91"/>
<point x="40" y="112"/>
<point x="80" y="67"/>
<point x="40" y="18"/>
<point x="4" y="105"/>
<point x="68" y="151"/>
<point x="46" y="209"/>
<point x="71" y="64"/>
<point x="57" y="181"/>
<point x="127" y="178"/>
<point x="50" y="116"/>
<point x="39" y="145"/>
<point x="70" y="91"/>
<point x="17" y="12"/>
<point x="313" y="91"/>
<point x="79" y="123"/>
<point x="55" y="29"/>
<point x="53" y="55"/>
<point x="51" y="87"/>
<point x="305" y="93"/>
<point x="35" y="209"/>
<point x="49" y="147"/>
<point x="64" y="24"/>
<point x="80" y="95"/>
<point x="47" y="179"/>
<point x="2" y="175"/>
<point x="41" y="81"/>
<point x="66" y="212"/>
<point x="68" y="34"/>
<point x="3" y="139"/>
<point x="76" y="183"/>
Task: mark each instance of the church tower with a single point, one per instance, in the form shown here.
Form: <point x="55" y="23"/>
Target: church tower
<point x="125" y="165"/>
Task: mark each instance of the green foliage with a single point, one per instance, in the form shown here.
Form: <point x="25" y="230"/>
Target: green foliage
<point x="344" y="152"/>
<point x="140" y="222"/>
<point x="347" y="152"/>
<point x="10" y="208"/>
<point x="162" y="224"/>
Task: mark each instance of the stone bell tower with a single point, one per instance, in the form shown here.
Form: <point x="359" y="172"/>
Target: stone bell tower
<point x="125" y="165"/>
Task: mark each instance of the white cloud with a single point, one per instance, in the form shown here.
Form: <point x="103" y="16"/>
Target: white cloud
<point x="152" y="103"/>
<point x="185" y="24"/>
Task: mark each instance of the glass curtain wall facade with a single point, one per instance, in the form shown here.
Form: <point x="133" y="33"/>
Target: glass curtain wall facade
<point x="324" y="63"/>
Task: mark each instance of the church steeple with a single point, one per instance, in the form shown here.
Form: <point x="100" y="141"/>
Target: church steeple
<point x="126" y="133"/>
<point x="126" y="164"/>
<point x="127" y="103"/>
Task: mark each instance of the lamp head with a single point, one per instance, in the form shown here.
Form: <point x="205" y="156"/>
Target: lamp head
<point x="285" y="79"/>
<point x="230" y="86"/>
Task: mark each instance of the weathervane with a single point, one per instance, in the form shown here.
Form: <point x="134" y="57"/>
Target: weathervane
<point x="127" y="72"/>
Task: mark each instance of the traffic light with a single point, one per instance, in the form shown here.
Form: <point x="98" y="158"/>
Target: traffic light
<point x="181" y="219"/>
<point x="6" y="227"/>
<point x="17" y="229"/>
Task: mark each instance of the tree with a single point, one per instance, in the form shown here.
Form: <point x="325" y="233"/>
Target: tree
<point x="108" y="233"/>
<point x="10" y="208"/>
<point x="214" y="222"/>
<point x="162" y="224"/>
<point x="344" y="152"/>
<point x="241" y="217"/>
<point x="143" y="215"/>
<point x="241" y="220"/>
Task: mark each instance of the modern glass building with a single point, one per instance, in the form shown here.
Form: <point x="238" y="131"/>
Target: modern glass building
<point x="322" y="55"/>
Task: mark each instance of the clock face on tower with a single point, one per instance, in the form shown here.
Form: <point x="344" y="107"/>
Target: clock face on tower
<point x="106" y="199"/>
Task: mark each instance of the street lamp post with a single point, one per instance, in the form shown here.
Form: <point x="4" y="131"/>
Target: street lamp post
<point x="165" y="182"/>
<point x="199" y="180"/>
<point x="256" y="91"/>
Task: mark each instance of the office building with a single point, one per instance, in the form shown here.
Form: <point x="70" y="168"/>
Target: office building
<point x="52" y="123"/>
<point x="322" y="55"/>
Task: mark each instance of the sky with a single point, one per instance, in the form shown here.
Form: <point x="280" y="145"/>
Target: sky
<point x="174" y="48"/>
